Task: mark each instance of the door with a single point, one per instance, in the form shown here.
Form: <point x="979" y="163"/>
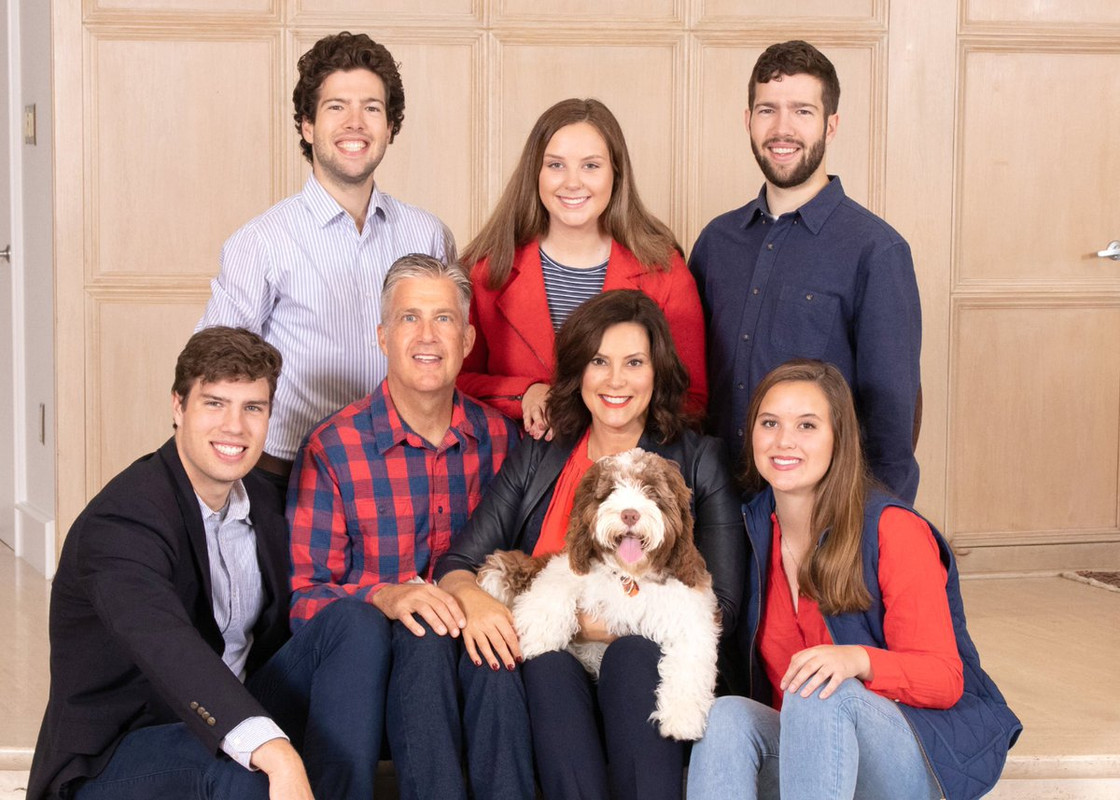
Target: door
<point x="1033" y="430"/>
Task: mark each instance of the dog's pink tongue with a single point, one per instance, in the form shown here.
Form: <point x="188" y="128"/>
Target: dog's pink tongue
<point x="630" y="549"/>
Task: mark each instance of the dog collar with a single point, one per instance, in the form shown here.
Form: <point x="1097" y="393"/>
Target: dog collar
<point x="629" y="585"/>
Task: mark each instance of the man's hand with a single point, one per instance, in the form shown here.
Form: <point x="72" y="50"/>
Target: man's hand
<point x="439" y="609"/>
<point x="811" y="667"/>
<point x="489" y="634"/>
<point x="534" y="411"/>
<point x="287" y="779"/>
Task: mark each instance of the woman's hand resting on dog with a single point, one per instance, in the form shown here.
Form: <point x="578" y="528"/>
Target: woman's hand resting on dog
<point x="592" y="629"/>
<point x="489" y="634"/>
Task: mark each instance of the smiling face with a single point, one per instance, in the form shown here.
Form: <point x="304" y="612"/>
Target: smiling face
<point x="576" y="178"/>
<point x="789" y="131"/>
<point x="350" y="131"/>
<point x="792" y="438"/>
<point x="618" y="382"/>
<point x="425" y="336"/>
<point x="220" y="429"/>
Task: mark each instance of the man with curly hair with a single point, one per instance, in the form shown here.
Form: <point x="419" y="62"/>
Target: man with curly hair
<point x="307" y="273"/>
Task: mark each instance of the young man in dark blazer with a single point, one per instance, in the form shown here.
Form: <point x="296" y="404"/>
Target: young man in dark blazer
<point x="172" y="672"/>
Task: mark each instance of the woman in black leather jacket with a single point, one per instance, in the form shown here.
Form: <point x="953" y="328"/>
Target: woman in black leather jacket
<point x="618" y="384"/>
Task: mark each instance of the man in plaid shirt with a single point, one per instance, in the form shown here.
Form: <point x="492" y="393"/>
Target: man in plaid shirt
<point x="377" y="493"/>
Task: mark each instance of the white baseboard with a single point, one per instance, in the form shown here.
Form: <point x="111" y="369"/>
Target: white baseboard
<point x="35" y="538"/>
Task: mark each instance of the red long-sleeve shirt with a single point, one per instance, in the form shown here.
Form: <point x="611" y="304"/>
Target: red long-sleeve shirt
<point x="921" y="665"/>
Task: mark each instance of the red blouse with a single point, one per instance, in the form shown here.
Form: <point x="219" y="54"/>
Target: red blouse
<point x="921" y="665"/>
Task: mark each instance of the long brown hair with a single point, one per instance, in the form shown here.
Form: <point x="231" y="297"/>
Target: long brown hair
<point x="520" y="216"/>
<point x="577" y="343"/>
<point x="833" y="575"/>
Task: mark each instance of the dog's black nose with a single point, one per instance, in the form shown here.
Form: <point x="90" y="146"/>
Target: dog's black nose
<point x="630" y="517"/>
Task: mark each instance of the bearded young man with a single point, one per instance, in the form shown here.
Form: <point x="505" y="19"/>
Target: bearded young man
<point x="805" y="271"/>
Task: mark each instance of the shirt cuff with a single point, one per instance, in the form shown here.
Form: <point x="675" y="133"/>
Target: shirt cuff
<point x="250" y="734"/>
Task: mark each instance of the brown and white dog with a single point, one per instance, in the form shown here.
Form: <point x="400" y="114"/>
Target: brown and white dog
<point x="629" y="559"/>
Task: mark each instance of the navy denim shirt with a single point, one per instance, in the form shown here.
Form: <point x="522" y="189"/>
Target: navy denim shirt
<point x="830" y="281"/>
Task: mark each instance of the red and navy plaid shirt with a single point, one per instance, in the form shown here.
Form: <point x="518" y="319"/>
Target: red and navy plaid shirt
<point x="372" y="503"/>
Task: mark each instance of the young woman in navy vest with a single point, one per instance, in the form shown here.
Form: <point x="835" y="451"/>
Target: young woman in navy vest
<point x="862" y="677"/>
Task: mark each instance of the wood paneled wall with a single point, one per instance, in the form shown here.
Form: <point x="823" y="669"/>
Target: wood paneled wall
<point x="174" y="127"/>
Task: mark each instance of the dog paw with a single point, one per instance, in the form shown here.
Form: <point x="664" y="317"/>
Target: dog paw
<point x="682" y="721"/>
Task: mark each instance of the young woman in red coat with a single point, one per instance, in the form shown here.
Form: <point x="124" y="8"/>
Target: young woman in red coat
<point x="569" y="225"/>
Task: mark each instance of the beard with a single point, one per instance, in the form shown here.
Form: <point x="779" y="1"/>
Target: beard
<point x="794" y="174"/>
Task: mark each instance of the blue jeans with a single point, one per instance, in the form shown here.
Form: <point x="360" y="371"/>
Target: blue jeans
<point x="595" y="742"/>
<point x="854" y="744"/>
<point x="333" y="688"/>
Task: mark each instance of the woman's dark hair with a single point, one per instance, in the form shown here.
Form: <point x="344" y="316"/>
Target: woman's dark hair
<point x="577" y="343"/>
<point x="344" y="52"/>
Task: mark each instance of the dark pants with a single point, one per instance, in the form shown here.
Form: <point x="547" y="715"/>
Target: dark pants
<point x="343" y="678"/>
<point x="595" y="741"/>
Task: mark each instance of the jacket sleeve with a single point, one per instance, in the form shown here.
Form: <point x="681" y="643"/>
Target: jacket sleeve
<point x="685" y="316"/>
<point x="719" y="532"/>
<point x="888" y="344"/>
<point x="503" y="392"/>
<point x="129" y="555"/>
<point x="493" y="524"/>
<point x="921" y="665"/>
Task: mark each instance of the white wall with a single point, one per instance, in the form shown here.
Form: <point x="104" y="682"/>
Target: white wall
<point x="35" y="481"/>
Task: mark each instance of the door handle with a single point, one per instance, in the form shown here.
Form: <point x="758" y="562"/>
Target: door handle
<point x="1112" y="252"/>
<point x="6" y="253"/>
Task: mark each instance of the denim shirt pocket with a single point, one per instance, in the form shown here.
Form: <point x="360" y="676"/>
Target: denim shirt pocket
<point x="804" y="321"/>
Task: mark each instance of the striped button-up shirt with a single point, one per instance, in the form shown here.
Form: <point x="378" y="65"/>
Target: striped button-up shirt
<point x="303" y="277"/>
<point x="371" y="502"/>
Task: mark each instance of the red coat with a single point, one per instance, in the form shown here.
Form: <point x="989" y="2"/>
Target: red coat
<point x="514" y="341"/>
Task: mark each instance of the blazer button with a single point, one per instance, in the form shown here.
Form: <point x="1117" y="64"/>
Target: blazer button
<point x="211" y="721"/>
<point x="194" y="705"/>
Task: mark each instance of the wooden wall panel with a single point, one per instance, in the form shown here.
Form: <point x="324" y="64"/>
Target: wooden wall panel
<point x="130" y="409"/>
<point x="219" y="147"/>
<point x="1033" y="452"/>
<point x="725" y="174"/>
<point x="178" y="160"/>
<point x="639" y="81"/>
<point x="1037" y="186"/>
<point x="568" y="12"/>
<point x="1032" y="12"/>
<point x="798" y="12"/>
<point x="94" y="7"/>
<point x="367" y="17"/>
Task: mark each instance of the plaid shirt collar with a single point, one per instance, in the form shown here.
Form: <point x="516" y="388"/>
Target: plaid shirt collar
<point x="390" y="431"/>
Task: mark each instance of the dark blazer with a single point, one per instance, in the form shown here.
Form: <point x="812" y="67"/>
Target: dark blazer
<point x="513" y="508"/>
<point x="133" y="637"/>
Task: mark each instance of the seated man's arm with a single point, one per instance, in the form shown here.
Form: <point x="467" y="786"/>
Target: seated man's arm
<point x="129" y="559"/>
<point x="323" y="540"/>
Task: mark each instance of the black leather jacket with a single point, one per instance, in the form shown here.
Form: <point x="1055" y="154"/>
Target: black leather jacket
<point x="513" y="508"/>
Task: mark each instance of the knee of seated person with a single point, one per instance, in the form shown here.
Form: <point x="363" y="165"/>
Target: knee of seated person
<point x="628" y="650"/>
<point x="429" y="641"/>
<point x="794" y="703"/>
<point x="351" y="618"/>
